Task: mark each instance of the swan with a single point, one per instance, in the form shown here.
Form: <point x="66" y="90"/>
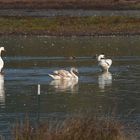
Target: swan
<point x="1" y="61"/>
<point x="64" y="74"/>
<point x="104" y="63"/>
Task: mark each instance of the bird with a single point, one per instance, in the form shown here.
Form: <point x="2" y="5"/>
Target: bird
<point x="1" y="61"/>
<point x="71" y="57"/>
<point x="64" y="74"/>
<point x="104" y="63"/>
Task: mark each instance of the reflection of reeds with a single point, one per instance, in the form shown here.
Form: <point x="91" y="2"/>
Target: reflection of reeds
<point x="72" y="129"/>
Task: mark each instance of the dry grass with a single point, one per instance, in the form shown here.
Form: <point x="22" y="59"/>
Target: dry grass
<point x="72" y="129"/>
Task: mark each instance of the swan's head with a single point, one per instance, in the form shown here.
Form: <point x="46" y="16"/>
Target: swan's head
<point x="2" y="49"/>
<point x="75" y="70"/>
<point x="101" y="56"/>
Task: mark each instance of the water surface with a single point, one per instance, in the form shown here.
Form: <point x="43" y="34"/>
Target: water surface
<point x="68" y="12"/>
<point x="29" y="59"/>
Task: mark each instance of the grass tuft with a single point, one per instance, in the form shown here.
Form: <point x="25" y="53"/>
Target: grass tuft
<point x="76" y="128"/>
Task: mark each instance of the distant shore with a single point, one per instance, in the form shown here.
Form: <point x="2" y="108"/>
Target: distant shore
<point x="70" y="4"/>
<point x="70" y="26"/>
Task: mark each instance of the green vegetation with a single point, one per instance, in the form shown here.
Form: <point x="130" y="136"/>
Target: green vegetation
<point x="70" y="25"/>
<point x="72" y="129"/>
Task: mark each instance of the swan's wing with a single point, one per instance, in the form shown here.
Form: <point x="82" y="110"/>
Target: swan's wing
<point x="105" y="64"/>
<point x="62" y="73"/>
<point x="1" y="64"/>
<point x="55" y="77"/>
<point x="108" y="62"/>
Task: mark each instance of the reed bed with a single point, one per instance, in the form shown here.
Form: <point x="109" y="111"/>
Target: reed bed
<point x="76" y="128"/>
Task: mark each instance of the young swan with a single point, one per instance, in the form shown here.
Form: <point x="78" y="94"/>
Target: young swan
<point x="104" y="63"/>
<point x="1" y="61"/>
<point x="64" y="74"/>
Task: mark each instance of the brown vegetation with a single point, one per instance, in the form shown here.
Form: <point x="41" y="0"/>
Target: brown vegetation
<point x="72" y="129"/>
<point x="62" y="4"/>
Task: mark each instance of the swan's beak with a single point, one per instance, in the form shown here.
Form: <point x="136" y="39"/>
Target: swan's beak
<point x="77" y="72"/>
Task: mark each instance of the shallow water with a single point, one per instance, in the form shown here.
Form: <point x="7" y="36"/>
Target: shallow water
<point x="68" y="12"/>
<point x="29" y="59"/>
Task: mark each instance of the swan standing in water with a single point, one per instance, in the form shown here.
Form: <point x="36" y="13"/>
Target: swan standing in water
<point x="64" y="75"/>
<point x="1" y="61"/>
<point x="104" y="63"/>
<point x="104" y="79"/>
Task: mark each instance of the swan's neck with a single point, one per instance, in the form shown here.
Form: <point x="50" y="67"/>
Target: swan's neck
<point x="73" y="74"/>
<point x="99" y="59"/>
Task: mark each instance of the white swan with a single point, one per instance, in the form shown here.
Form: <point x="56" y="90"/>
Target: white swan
<point x="63" y="74"/>
<point x="1" y="61"/>
<point x="104" y="63"/>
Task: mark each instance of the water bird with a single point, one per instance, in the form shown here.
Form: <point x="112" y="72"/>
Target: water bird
<point x="1" y="61"/>
<point x="70" y="58"/>
<point x="64" y="74"/>
<point x="104" y="63"/>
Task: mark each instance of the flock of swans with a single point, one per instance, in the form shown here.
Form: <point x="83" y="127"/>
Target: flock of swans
<point x="69" y="75"/>
<point x="63" y="79"/>
<point x="72" y="74"/>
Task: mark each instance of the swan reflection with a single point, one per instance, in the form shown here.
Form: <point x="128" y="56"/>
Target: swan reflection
<point x="104" y="79"/>
<point x="65" y="85"/>
<point x="2" y="92"/>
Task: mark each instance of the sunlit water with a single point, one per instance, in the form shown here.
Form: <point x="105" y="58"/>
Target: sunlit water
<point x="29" y="59"/>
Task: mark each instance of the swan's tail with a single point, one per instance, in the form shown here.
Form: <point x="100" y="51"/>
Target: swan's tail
<point x="55" y="77"/>
<point x="51" y="75"/>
